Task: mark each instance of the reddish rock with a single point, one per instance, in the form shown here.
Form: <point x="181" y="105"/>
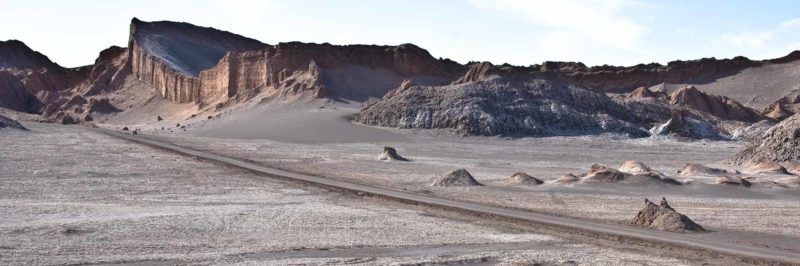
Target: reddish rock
<point x="719" y="106"/>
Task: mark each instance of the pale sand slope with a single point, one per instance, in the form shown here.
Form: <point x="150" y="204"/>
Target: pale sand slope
<point x="71" y="196"/>
<point x="757" y="215"/>
<point x="314" y="122"/>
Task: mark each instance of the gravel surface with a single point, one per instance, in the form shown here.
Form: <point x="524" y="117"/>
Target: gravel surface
<point x="72" y="196"/>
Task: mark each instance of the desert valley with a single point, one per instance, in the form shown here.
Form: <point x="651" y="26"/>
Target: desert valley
<point x="194" y="145"/>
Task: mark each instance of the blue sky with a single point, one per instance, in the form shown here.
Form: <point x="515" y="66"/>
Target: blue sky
<point x="618" y="32"/>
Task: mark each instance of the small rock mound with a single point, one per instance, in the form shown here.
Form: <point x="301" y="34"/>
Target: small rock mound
<point x="733" y="181"/>
<point x="635" y="167"/>
<point x="599" y="173"/>
<point x="642" y="92"/>
<point x="682" y="125"/>
<point x="457" y="178"/>
<point x="791" y="181"/>
<point x="522" y="179"/>
<point x="6" y="122"/>
<point x="719" y="106"/>
<point x="664" y="217"/>
<point x="695" y="169"/>
<point x="390" y="154"/>
<point x="566" y="179"/>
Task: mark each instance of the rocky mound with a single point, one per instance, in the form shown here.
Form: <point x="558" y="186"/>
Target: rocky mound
<point x="636" y="167"/>
<point x="791" y="181"/>
<point x="599" y="173"/>
<point x="512" y="108"/>
<point x="390" y="154"/>
<point x="522" y="179"/>
<point x="695" y="169"/>
<point x="6" y="122"/>
<point x="644" y="93"/>
<point x="457" y="178"/>
<point x="733" y="181"/>
<point x="567" y="179"/>
<point x="779" y="144"/>
<point x="664" y="217"/>
<point x="784" y="107"/>
<point x="719" y="106"/>
<point x="684" y="125"/>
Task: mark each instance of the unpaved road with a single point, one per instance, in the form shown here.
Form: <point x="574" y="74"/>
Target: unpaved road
<point x="622" y="233"/>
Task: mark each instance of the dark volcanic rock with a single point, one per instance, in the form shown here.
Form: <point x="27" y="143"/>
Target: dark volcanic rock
<point x="664" y="217"/>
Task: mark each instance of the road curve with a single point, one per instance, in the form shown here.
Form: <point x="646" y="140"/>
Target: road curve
<point x="690" y="241"/>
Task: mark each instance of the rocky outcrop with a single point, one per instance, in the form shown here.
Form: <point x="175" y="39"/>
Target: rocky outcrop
<point x="644" y="93"/>
<point x="25" y="72"/>
<point x="390" y="154"/>
<point x="663" y="217"/>
<point x="732" y="181"/>
<point x="767" y="167"/>
<point x="170" y="55"/>
<point x="457" y="178"/>
<point x="511" y="108"/>
<point x="779" y="144"/>
<point x="784" y="107"/>
<point x="602" y="174"/>
<point x="522" y="179"/>
<point x="683" y="125"/>
<point x="107" y="73"/>
<point x="719" y="106"/>
<point x="6" y="122"/>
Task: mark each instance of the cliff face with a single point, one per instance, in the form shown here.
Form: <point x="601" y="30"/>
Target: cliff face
<point x="170" y="55"/>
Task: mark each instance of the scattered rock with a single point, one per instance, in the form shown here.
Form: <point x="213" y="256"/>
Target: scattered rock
<point x="178" y="125"/>
<point x="88" y="118"/>
<point x="125" y="129"/>
<point x="158" y="118"/>
<point x="733" y="180"/>
<point x="694" y="169"/>
<point x="664" y="217"/>
<point x="390" y="154"/>
<point x="457" y="178"/>
<point x="210" y="117"/>
<point x="522" y="179"/>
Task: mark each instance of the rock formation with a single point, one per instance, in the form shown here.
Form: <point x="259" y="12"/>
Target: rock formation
<point x="6" y="122"/>
<point x="779" y="144"/>
<point x="390" y="154"/>
<point x="510" y="108"/>
<point x="599" y="173"/>
<point x="719" y="106"/>
<point x="663" y="217"/>
<point x="767" y="167"/>
<point x="567" y="179"/>
<point x="684" y="125"/>
<point x="457" y="178"/>
<point x="522" y="179"/>
<point x="25" y="72"/>
<point x="643" y="93"/>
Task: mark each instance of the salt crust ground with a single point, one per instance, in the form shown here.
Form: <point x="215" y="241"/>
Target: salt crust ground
<point x="71" y="196"/>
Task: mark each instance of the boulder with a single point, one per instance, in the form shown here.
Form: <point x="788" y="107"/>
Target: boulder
<point x="522" y="179"/>
<point x="663" y="217"/>
<point x="457" y="178"/>
<point x="390" y="154"/>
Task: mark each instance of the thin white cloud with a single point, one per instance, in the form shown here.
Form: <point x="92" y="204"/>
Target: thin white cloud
<point x="594" y="22"/>
<point x="764" y="39"/>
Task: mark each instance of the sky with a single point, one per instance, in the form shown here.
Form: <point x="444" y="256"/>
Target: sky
<point x="519" y="32"/>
